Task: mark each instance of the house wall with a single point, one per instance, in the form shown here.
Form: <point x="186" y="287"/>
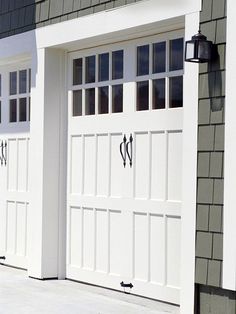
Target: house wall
<point x="21" y="16"/>
<point x="210" y="185"/>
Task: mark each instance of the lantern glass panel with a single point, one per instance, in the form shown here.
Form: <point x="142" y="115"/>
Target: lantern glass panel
<point x="190" y="50"/>
<point x="204" y="50"/>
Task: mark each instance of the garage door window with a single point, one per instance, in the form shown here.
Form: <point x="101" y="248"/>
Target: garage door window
<point x="19" y="95"/>
<point x="98" y="84"/>
<point x="159" y="75"/>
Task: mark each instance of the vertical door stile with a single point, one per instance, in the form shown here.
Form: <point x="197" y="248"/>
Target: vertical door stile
<point x="109" y="165"/>
<point x="96" y="165"/>
<point x="149" y="248"/>
<point x="83" y="163"/>
<point x="108" y="241"/>
<point x="150" y="164"/>
<point x="165" y="250"/>
<point x="94" y="237"/>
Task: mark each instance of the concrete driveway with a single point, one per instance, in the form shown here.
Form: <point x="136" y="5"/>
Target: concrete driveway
<point x="20" y="294"/>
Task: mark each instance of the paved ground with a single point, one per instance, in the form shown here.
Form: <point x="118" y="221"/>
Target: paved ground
<point x="20" y="294"/>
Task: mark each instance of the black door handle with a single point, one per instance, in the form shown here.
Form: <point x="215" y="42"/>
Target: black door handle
<point x="4" y="155"/>
<point x="126" y="285"/>
<point x="123" y="153"/>
<point x="130" y="153"/>
<point x="1" y="157"/>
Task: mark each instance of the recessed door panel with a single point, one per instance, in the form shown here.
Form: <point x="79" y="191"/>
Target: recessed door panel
<point x="89" y="164"/>
<point x="102" y="184"/>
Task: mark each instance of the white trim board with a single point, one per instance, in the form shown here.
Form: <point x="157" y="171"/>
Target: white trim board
<point x="229" y="246"/>
<point x="129" y="18"/>
<point x="134" y="20"/>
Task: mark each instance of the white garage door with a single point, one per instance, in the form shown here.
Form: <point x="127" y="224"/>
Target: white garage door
<point x="124" y="166"/>
<point x="14" y="151"/>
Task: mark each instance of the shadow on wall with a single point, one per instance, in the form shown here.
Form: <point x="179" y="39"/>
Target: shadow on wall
<point x="215" y="82"/>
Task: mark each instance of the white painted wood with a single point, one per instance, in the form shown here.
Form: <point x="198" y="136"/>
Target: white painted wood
<point x="14" y="196"/>
<point x="229" y="219"/>
<point x="140" y="22"/>
<point x="45" y="181"/>
<point x="188" y="219"/>
<point x="129" y="218"/>
<point x="174" y="177"/>
<point x="138" y="19"/>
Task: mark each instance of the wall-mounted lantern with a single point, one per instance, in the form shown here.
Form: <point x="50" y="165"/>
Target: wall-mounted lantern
<point x="198" y="49"/>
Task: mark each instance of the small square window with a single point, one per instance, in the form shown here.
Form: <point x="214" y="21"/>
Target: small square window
<point x="143" y="60"/>
<point x="29" y="108"/>
<point x="176" y="54"/>
<point x="103" y="99"/>
<point x="13" y="83"/>
<point x="103" y="69"/>
<point x="159" y="57"/>
<point x="117" y="98"/>
<point x="90" y="63"/>
<point x="117" y="64"/>
<point x="90" y="101"/>
<point x="13" y="110"/>
<point x="77" y="103"/>
<point x="77" y="71"/>
<point x="22" y="109"/>
<point x="142" y="95"/>
<point x="176" y="92"/>
<point x="159" y="97"/>
<point x="22" y="81"/>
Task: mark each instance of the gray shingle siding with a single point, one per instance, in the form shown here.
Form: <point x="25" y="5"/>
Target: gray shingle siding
<point x="19" y="16"/>
<point x="211" y="298"/>
<point x="209" y="233"/>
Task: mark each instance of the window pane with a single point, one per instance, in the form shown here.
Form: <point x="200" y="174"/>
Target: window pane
<point x="176" y="54"/>
<point x="90" y="101"/>
<point x="90" y="69"/>
<point x="13" y="82"/>
<point x="77" y="71"/>
<point x="159" y="94"/>
<point x="176" y="91"/>
<point x="117" y="98"/>
<point x="77" y="103"/>
<point x="103" y="100"/>
<point x="29" y="80"/>
<point x="142" y="95"/>
<point x="143" y="60"/>
<point x="22" y="109"/>
<point x="103" y="67"/>
<point x="117" y="64"/>
<point x="29" y="107"/>
<point x="159" y="57"/>
<point x="22" y="81"/>
<point x="0" y="85"/>
<point x="13" y="110"/>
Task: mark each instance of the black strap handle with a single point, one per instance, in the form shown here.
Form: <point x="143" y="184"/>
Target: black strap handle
<point x="123" y="153"/>
<point x="130" y="153"/>
<point x="4" y="154"/>
<point x="1" y="157"/>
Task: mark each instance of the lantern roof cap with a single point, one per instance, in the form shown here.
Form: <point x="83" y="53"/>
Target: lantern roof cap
<point x="199" y="36"/>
